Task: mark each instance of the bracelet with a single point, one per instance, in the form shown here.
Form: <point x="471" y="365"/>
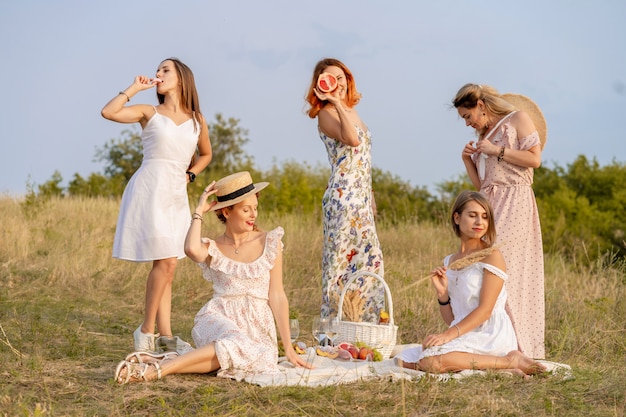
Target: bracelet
<point x="444" y="303"/>
<point x="501" y="155"/>
<point x="458" y="331"/>
<point x="196" y="216"/>
<point x="127" y="96"/>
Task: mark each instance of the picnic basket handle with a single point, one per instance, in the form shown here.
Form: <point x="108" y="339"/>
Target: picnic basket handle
<point x="352" y="279"/>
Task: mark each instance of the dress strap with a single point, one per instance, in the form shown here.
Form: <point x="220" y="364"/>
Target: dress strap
<point x="495" y="128"/>
<point x="496" y="271"/>
<point x="483" y="156"/>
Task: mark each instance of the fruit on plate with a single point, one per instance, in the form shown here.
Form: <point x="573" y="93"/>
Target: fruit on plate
<point x="327" y="351"/>
<point x="366" y="353"/>
<point x="343" y="354"/>
<point x="354" y="351"/>
<point x="326" y="82"/>
<point x="299" y="347"/>
<point x="345" y="345"/>
<point x="350" y="348"/>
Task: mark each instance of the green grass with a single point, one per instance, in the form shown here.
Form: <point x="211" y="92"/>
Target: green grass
<point x="67" y="311"/>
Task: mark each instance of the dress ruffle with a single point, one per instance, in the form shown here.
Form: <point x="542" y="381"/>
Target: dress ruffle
<point x="222" y="263"/>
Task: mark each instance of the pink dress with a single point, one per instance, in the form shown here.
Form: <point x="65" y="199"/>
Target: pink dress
<point x="238" y="319"/>
<point x="509" y="190"/>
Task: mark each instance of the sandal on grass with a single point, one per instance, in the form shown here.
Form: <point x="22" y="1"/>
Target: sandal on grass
<point x="149" y="357"/>
<point x="135" y="372"/>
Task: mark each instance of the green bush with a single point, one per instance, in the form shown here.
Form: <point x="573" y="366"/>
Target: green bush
<point x="581" y="206"/>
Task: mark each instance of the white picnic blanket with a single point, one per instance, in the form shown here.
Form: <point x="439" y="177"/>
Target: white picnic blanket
<point x="334" y="372"/>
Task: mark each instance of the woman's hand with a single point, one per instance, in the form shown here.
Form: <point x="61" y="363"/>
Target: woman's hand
<point x="203" y="205"/>
<point x="468" y="150"/>
<point x="333" y="97"/>
<point x="144" y="83"/>
<point x="488" y="148"/>
<point x="296" y="359"/>
<point x="440" y="282"/>
<point x="438" y="339"/>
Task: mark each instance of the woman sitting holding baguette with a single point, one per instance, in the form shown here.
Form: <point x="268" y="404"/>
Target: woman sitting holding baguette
<point x="471" y="294"/>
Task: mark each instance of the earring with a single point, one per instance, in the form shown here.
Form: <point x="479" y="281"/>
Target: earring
<point x="484" y="114"/>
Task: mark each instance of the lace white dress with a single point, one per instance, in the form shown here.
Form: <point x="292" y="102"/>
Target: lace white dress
<point x="238" y="319"/>
<point x="494" y="337"/>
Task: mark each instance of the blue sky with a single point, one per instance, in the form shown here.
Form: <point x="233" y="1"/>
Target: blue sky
<point x="63" y="60"/>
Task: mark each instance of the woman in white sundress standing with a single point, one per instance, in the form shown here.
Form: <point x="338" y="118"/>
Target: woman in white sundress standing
<point x="154" y="213"/>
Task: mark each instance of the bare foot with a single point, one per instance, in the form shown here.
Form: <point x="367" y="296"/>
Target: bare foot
<point x="136" y="372"/>
<point x="408" y="365"/>
<point x="524" y="363"/>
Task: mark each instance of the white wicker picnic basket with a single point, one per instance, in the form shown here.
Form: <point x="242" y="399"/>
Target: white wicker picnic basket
<point x="382" y="337"/>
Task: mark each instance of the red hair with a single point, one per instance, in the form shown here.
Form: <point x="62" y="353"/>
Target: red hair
<point x="352" y="95"/>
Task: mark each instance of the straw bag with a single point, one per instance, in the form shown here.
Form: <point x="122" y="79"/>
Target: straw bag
<point x="381" y="337"/>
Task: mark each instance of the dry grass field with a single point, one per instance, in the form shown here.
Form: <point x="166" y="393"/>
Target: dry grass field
<point x="67" y="311"/>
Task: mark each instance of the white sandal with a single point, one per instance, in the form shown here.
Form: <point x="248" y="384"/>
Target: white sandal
<point x="135" y="357"/>
<point x="135" y="372"/>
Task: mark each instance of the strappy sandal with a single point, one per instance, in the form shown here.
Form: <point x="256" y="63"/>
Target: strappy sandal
<point x="135" y="372"/>
<point x="136" y="357"/>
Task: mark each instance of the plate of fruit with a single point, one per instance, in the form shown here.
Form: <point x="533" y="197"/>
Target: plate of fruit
<point x="350" y="352"/>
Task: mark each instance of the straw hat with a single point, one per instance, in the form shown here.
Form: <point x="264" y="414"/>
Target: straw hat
<point x="524" y="103"/>
<point x="235" y="188"/>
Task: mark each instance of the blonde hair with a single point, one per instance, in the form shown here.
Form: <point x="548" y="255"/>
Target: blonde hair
<point x="469" y="95"/>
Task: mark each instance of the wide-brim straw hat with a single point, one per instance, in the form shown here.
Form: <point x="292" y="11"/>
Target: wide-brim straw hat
<point x="235" y="188"/>
<point x="524" y="103"/>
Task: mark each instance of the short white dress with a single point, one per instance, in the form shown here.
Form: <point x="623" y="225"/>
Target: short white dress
<point x="154" y="214"/>
<point x="238" y="319"/>
<point x="494" y="337"/>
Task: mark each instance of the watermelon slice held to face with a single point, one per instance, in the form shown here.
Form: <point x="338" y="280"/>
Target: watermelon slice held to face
<point x="326" y="82"/>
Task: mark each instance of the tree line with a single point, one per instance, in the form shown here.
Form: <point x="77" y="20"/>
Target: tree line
<point x="581" y="205"/>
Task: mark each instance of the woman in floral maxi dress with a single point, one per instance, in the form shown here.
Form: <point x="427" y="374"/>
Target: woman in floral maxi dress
<point x="350" y="240"/>
<point x="501" y="166"/>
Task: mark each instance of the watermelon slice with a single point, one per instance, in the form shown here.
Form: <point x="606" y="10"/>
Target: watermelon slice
<point x="326" y="82"/>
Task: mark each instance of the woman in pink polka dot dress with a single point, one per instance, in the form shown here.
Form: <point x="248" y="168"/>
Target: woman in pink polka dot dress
<point x="500" y="164"/>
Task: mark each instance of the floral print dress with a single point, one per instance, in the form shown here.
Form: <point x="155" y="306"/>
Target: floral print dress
<point x="350" y="240"/>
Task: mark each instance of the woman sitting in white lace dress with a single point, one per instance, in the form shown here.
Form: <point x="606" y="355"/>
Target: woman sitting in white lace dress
<point x="472" y="295"/>
<point x="235" y="332"/>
